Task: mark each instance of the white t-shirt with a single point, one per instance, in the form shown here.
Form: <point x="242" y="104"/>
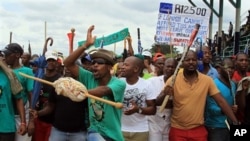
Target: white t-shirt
<point x="139" y="92"/>
<point x="161" y="120"/>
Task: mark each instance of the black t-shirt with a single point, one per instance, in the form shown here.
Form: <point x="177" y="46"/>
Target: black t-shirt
<point x="46" y="90"/>
<point x="247" y="110"/>
<point x="70" y="116"/>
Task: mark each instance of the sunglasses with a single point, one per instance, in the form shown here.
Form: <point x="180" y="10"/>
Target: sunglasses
<point x="99" y="61"/>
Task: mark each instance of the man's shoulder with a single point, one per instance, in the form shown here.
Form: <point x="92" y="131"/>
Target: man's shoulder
<point x="204" y="76"/>
<point x="118" y="80"/>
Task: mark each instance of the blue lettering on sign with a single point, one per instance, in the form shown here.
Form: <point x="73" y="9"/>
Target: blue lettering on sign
<point x="166" y="8"/>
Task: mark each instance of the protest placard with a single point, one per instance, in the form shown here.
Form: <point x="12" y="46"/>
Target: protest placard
<point x="176" y="22"/>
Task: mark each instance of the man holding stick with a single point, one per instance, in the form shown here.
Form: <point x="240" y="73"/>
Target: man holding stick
<point x="7" y="120"/>
<point x="189" y="92"/>
<point x="13" y="53"/>
<point x="105" y="120"/>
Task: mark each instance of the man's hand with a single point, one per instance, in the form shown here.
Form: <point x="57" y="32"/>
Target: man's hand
<point x="129" y="39"/>
<point x="90" y="39"/>
<point x="235" y="108"/>
<point x="168" y="90"/>
<point x="31" y="127"/>
<point x="33" y="113"/>
<point x="22" y="129"/>
<point x="133" y="109"/>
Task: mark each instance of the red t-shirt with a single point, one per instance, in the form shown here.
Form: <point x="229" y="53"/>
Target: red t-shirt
<point x="237" y="77"/>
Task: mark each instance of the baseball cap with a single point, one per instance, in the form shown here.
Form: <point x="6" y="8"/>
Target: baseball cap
<point x="147" y="53"/>
<point x="12" y="48"/>
<point x="157" y="56"/>
<point x="51" y="55"/>
<point x="86" y="57"/>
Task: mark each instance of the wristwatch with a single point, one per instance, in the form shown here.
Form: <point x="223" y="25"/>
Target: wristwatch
<point x="140" y="111"/>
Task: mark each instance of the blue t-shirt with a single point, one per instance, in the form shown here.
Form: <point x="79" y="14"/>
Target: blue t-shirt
<point x="104" y="119"/>
<point x="213" y="115"/>
<point x="212" y="72"/>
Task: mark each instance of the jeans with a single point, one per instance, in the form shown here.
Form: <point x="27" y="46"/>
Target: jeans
<point x="7" y="136"/>
<point x="218" y="134"/>
<point x="57" y="135"/>
<point x="95" y="136"/>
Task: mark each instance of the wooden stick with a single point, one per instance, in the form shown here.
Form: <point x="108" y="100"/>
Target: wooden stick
<point x="192" y="37"/>
<point x="10" y="37"/>
<point x="115" y="104"/>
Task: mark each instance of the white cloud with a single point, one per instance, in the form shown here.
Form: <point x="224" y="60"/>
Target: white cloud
<point x="26" y="18"/>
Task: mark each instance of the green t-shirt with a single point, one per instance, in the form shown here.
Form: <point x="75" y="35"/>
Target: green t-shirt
<point x="104" y="119"/>
<point x="27" y="83"/>
<point x="7" y="116"/>
<point x="146" y="75"/>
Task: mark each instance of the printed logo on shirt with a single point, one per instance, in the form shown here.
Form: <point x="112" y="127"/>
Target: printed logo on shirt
<point x="134" y="95"/>
<point x="98" y="109"/>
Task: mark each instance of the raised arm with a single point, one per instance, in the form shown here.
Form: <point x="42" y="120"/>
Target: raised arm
<point x="69" y="62"/>
<point x="130" y="48"/>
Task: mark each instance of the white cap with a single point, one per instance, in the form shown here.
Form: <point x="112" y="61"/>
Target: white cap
<point x="147" y="53"/>
<point x="51" y="55"/>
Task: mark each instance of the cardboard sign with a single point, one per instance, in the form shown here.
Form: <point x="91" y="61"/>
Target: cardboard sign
<point x="176" y="22"/>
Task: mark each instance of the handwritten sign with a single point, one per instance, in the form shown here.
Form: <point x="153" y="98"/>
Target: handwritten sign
<point x="176" y="23"/>
<point x="110" y="39"/>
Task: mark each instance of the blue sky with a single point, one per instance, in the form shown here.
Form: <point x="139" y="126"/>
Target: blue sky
<point x="26" y="20"/>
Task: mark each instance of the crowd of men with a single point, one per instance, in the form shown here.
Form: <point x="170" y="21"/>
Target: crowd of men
<point x="203" y="102"/>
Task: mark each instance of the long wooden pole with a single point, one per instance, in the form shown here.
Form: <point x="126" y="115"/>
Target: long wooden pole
<point x="115" y="104"/>
<point x="10" y="37"/>
<point x="45" y="31"/>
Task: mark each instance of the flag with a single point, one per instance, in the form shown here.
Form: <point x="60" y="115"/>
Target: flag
<point x="140" y="48"/>
<point x="109" y="39"/>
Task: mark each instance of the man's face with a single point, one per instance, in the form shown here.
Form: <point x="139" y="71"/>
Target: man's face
<point x="128" y="68"/>
<point x="51" y="64"/>
<point x="25" y="59"/>
<point x="11" y="58"/>
<point x="207" y="56"/>
<point x="86" y="65"/>
<point x="100" y="68"/>
<point x="242" y="62"/>
<point x="190" y="61"/>
<point x="169" y="68"/>
<point x="159" y="64"/>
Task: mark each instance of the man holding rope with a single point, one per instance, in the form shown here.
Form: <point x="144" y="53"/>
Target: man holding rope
<point x="105" y="120"/>
<point x="189" y="97"/>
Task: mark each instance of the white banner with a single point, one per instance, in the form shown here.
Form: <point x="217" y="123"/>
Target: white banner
<point x="181" y="19"/>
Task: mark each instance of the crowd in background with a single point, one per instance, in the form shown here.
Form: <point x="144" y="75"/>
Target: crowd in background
<point x="203" y="102"/>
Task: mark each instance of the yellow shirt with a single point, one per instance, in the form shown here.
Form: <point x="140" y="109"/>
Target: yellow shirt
<point x="189" y="100"/>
